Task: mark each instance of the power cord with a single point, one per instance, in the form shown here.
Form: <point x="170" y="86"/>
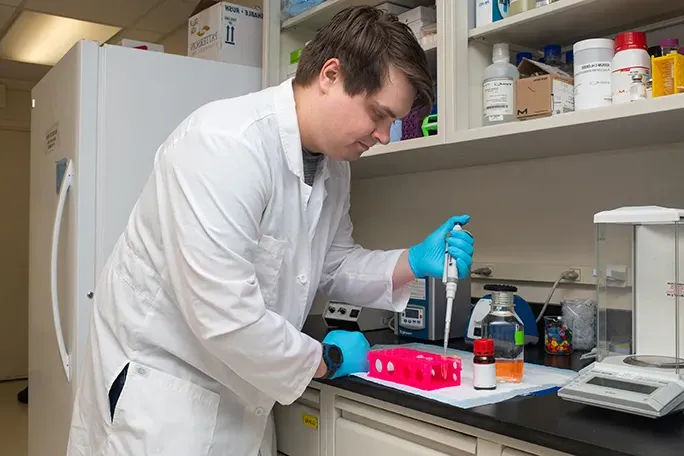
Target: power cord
<point x="391" y="324"/>
<point x="565" y="275"/>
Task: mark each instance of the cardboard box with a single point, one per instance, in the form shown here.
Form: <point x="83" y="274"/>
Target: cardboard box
<point x="549" y="91"/>
<point x="141" y="45"/>
<point x="228" y="33"/>
<point x="391" y="8"/>
<point x="419" y="13"/>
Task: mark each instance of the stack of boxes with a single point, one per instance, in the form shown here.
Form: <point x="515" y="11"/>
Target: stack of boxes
<point x="415" y="18"/>
<point x="226" y="32"/>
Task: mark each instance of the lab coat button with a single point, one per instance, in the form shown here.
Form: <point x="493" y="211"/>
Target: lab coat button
<point x="259" y="411"/>
<point x="303" y="279"/>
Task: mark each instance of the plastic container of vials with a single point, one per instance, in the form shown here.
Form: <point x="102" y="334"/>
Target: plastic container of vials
<point x="418" y="369"/>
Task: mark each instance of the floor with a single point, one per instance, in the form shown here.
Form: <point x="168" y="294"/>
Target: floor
<point x="13" y="420"/>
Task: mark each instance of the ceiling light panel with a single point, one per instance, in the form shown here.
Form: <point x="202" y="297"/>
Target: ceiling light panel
<point x="44" y="39"/>
<point x="122" y="13"/>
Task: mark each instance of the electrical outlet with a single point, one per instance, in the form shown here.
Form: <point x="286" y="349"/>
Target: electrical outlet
<point x="532" y="272"/>
<point x="579" y="274"/>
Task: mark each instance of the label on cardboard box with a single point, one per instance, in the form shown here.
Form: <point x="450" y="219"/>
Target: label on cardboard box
<point x="228" y="33"/>
<point x="549" y="92"/>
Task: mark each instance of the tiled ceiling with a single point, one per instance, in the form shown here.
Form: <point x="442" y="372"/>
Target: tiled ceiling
<point x="158" y="21"/>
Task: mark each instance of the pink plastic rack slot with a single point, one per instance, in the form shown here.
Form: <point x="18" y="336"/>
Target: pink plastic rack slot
<point x="415" y="368"/>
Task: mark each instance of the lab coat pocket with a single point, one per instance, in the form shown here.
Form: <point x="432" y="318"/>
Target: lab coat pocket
<point x="268" y="261"/>
<point x="158" y="413"/>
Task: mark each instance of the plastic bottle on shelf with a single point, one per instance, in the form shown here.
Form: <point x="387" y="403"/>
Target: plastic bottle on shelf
<point x="569" y="66"/>
<point x="631" y="57"/>
<point x="552" y="55"/>
<point x="592" y="73"/>
<point x="669" y="46"/>
<point x="523" y="55"/>
<point x="504" y="326"/>
<point x="498" y="91"/>
<point x="520" y="6"/>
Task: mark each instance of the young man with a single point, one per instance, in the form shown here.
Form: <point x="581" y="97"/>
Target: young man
<point x="196" y="323"/>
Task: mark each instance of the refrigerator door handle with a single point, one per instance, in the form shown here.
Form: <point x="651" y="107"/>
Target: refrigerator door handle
<point x="63" y="191"/>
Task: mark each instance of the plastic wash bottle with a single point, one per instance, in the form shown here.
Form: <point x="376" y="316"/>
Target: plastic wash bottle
<point x="498" y="91"/>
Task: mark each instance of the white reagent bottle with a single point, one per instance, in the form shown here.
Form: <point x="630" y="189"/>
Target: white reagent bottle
<point x="498" y="89"/>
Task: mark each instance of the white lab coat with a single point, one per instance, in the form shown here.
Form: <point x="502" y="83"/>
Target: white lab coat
<point x="207" y="289"/>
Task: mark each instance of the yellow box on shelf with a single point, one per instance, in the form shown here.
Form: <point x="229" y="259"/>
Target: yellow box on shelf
<point x="668" y="75"/>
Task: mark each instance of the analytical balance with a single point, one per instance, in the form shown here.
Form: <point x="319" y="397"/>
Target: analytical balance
<point x="639" y="252"/>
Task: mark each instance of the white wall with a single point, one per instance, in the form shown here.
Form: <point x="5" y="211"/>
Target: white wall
<point x="538" y="211"/>
<point x="14" y="225"/>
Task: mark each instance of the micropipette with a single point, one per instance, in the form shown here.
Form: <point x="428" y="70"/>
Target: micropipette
<point x="450" y="279"/>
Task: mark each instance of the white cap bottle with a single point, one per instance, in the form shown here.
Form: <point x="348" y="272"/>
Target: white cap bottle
<point x="498" y="88"/>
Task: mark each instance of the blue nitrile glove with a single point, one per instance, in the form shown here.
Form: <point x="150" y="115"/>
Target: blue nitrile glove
<point x="427" y="258"/>
<point x="354" y="348"/>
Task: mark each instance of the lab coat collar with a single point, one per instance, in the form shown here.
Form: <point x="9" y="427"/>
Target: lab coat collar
<point x="288" y="129"/>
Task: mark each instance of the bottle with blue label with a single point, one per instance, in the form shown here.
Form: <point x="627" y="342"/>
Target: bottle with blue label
<point x="489" y="11"/>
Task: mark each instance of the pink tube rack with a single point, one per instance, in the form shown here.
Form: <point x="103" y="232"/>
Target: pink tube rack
<point x="415" y="368"/>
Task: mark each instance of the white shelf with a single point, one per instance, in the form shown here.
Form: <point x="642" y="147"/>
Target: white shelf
<point x="320" y="15"/>
<point x="567" y="21"/>
<point x="639" y="124"/>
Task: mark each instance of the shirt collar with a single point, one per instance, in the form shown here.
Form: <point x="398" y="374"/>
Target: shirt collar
<point x="288" y="129"/>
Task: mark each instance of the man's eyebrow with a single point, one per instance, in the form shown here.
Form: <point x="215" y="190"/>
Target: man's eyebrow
<point x="387" y="110"/>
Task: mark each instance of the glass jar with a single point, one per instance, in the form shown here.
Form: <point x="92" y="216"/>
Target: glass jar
<point x="557" y="336"/>
<point x="506" y="329"/>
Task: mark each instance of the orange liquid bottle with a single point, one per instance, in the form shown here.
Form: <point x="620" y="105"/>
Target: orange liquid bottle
<point x="505" y="328"/>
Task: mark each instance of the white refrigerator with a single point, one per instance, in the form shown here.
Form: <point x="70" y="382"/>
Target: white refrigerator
<point x="98" y="119"/>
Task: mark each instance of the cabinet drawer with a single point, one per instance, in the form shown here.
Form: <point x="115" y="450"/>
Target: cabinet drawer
<point x="513" y="452"/>
<point x="362" y="429"/>
<point x="354" y="439"/>
<point x="297" y="426"/>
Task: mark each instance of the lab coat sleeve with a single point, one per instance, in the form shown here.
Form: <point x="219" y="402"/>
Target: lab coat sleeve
<point x="360" y="276"/>
<point x="212" y="190"/>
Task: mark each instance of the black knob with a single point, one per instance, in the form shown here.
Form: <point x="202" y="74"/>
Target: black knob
<point x="500" y="288"/>
<point x="90" y="295"/>
<point x="342" y="311"/>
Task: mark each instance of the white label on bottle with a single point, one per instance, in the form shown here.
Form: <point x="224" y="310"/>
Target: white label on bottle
<point x="592" y="85"/>
<point x="563" y="97"/>
<point x="621" y="81"/>
<point x="498" y="97"/>
<point x="484" y="375"/>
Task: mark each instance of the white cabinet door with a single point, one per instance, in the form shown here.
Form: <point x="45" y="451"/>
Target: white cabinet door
<point x="297" y="426"/>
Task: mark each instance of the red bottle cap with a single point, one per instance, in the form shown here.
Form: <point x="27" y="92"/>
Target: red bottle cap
<point x="483" y="347"/>
<point x="630" y="40"/>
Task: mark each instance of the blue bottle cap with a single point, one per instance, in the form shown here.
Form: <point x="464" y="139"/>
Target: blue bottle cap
<point x="523" y="55"/>
<point x="552" y="50"/>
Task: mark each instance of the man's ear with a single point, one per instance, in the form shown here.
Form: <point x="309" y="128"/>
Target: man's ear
<point x="331" y="74"/>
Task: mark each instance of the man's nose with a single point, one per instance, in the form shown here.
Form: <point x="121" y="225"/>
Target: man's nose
<point x="382" y="135"/>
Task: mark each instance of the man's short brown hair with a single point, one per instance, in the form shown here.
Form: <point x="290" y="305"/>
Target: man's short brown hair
<point x="367" y="41"/>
